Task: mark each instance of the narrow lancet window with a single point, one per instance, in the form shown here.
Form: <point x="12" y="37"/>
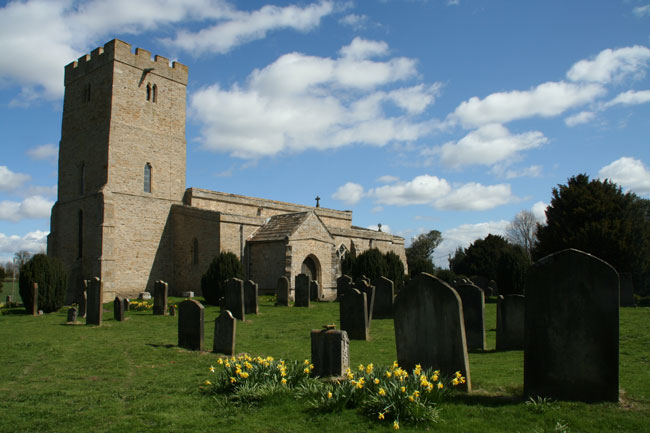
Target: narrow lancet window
<point x="148" y="92"/>
<point x="82" y="179"/>
<point x="80" y="235"/>
<point x="147" y="177"/>
<point x="195" y="251"/>
<point x="154" y="93"/>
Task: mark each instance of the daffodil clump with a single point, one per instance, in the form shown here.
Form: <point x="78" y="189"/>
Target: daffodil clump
<point x="141" y="305"/>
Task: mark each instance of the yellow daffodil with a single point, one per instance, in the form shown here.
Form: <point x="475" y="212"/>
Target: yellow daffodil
<point x="220" y="361"/>
<point x="440" y="385"/>
<point x="434" y="377"/>
<point x="381" y="391"/>
<point x="329" y="394"/>
<point x="233" y="380"/>
<point x="376" y="381"/>
<point x="284" y="381"/>
<point x="207" y="382"/>
<point x="389" y="374"/>
<point x="455" y="381"/>
<point x="403" y="389"/>
<point x="211" y="369"/>
<point x="306" y="362"/>
<point x="369" y="368"/>
<point x="395" y="425"/>
<point x="306" y="370"/>
<point x="381" y="415"/>
<point x="411" y="399"/>
<point x="361" y="367"/>
<point x="416" y="394"/>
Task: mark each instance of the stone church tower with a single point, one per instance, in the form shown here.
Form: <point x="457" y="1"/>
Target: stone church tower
<point x="121" y="168"/>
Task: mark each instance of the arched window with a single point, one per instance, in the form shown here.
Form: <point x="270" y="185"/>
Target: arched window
<point x="195" y="251"/>
<point x="82" y="179"/>
<point x="148" y="92"/>
<point x="154" y="94"/>
<point x="147" y="177"/>
<point x="80" y="234"/>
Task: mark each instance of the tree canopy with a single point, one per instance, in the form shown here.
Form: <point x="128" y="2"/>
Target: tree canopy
<point x="418" y="254"/>
<point x="522" y="230"/>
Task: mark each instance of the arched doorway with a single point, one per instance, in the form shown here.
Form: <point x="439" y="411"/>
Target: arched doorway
<point x="311" y="267"/>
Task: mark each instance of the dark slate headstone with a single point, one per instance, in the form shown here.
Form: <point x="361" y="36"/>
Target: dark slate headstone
<point x="72" y="315"/>
<point x="127" y="304"/>
<point x="511" y="313"/>
<point x="283" y="291"/>
<point x="118" y="309"/>
<point x="302" y="290"/>
<point x="8" y="300"/>
<point x="364" y="286"/>
<point x="627" y="290"/>
<point x="190" y="324"/>
<point x="83" y="299"/>
<point x="172" y="311"/>
<point x="233" y="299"/>
<point x="330" y="352"/>
<point x="343" y="284"/>
<point x="225" y="327"/>
<point x="314" y="291"/>
<point x="33" y="307"/>
<point x="572" y="328"/>
<point x="353" y="314"/>
<point x="160" y="290"/>
<point x="94" y="302"/>
<point x="473" y="300"/>
<point x="384" y="296"/>
<point x="250" y="297"/>
<point x="429" y="327"/>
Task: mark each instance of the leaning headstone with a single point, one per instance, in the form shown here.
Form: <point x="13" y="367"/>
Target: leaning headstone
<point x="72" y="315"/>
<point x="571" y="348"/>
<point x="330" y="352"/>
<point x="94" y="302"/>
<point x="118" y="309"/>
<point x="233" y="299"/>
<point x="364" y="286"/>
<point x="429" y="327"/>
<point x="250" y="297"/>
<point x="283" y="289"/>
<point x="225" y="327"/>
<point x="33" y="306"/>
<point x="190" y="324"/>
<point x="343" y="284"/>
<point x="627" y="290"/>
<point x="473" y="300"/>
<point x="127" y="304"/>
<point x="160" y="290"/>
<point x="384" y="296"/>
<point x="314" y="291"/>
<point x="353" y="314"/>
<point x="302" y="290"/>
<point x="511" y="313"/>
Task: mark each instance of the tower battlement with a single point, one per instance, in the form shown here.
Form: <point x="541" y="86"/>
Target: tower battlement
<point x="120" y="51"/>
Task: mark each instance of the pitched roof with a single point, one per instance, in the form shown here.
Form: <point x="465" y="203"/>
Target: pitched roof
<point x="279" y="227"/>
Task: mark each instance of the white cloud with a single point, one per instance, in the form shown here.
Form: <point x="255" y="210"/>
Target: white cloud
<point x="387" y="179"/>
<point x="476" y="197"/>
<point x="642" y="11"/>
<point x="34" y="242"/>
<point x="630" y="97"/>
<point x="580" y="118"/>
<point x="30" y="208"/>
<point x="545" y="100"/>
<point x="532" y="171"/>
<point x="304" y="102"/>
<point x="384" y="228"/>
<point x="350" y="193"/>
<point x="360" y="49"/>
<point x="357" y="22"/>
<point x="464" y="235"/>
<point x="45" y="151"/>
<point x="9" y="180"/>
<point x="421" y="190"/>
<point x="47" y="191"/>
<point x="612" y="65"/>
<point x="488" y="145"/>
<point x="629" y="173"/>
<point x="539" y="210"/>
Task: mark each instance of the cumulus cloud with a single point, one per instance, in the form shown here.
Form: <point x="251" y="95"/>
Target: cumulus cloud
<point x="350" y="193"/>
<point x="464" y="235"/>
<point x="34" y="242"/>
<point x="355" y="21"/>
<point x="421" y="190"/>
<point x="476" y="197"/>
<point x="532" y="171"/>
<point x="580" y="118"/>
<point x="30" y="208"/>
<point x="387" y="179"/>
<point x="10" y="181"/>
<point x="539" y="210"/>
<point x="630" y="97"/>
<point x="629" y="173"/>
<point x="642" y="11"/>
<point x="305" y="102"/>
<point x="45" y="151"/>
<point x="612" y="65"/>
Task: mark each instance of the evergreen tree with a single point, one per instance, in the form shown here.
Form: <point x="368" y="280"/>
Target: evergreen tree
<point x="370" y="263"/>
<point x="394" y="269"/>
<point x="479" y="258"/>
<point x="512" y="268"/>
<point x="223" y="267"/>
<point x="52" y="282"/>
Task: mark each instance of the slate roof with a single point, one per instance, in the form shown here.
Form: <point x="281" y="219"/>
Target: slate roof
<point x="279" y="227"/>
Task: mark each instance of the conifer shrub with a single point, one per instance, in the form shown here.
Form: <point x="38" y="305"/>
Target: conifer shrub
<point x="52" y="282"/>
<point x="223" y="267"/>
<point x="394" y="269"/>
<point x="370" y="263"/>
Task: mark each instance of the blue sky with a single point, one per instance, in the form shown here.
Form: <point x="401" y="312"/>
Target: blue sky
<point x="419" y="115"/>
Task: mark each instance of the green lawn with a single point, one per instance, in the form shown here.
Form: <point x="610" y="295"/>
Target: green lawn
<point x="131" y="377"/>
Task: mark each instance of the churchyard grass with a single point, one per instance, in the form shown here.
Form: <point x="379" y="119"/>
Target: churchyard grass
<point x="131" y="376"/>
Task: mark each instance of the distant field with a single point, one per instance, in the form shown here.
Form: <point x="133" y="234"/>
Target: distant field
<point x="131" y="377"/>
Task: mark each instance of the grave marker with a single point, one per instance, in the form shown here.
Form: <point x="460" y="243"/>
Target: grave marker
<point x="353" y="314"/>
<point x="94" y="302"/>
<point x="233" y="300"/>
<point x="473" y="300"/>
<point x="343" y="284"/>
<point x="190" y="324"/>
<point x="160" y="290"/>
<point x="330" y="352"/>
<point x="118" y="309"/>
<point x="283" y="291"/>
<point x="250" y="297"/>
<point x="384" y="296"/>
<point x="225" y="327"/>
<point x="314" y="291"/>
<point x="33" y="306"/>
<point x="511" y="313"/>
<point x="363" y="285"/>
<point x="302" y="290"/>
<point x="627" y="290"/>
<point x="72" y="315"/>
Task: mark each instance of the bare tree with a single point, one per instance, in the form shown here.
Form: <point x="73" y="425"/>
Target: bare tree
<point x="22" y="257"/>
<point x="523" y="230"/>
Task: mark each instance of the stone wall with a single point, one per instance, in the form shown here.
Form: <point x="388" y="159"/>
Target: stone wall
<point x="266" y="262"/>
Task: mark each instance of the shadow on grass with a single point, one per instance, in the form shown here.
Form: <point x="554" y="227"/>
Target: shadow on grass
<point x="166" y="346"/>
<point x="492" y="400"/>
<point x="15" y="311"/>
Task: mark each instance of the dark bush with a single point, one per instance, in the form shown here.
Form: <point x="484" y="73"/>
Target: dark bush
<point x="370" y="263"/>
<point x="223" y="267"/>
<point x="347" y="264"/>
<point x="394" y="269"/>
<point x="512" y="268"/>
<point x="446" y="275"/>
<point x="420" y="265"/>
<point x="52" y="282"/>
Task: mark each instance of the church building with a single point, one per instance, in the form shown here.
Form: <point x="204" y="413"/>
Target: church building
<point x="123" y="212"/>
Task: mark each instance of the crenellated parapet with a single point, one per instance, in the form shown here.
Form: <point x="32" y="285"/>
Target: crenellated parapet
<point x="121" y="52"/>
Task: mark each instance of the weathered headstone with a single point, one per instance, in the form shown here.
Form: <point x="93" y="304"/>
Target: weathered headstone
<point x="143" y="296"/>
<point x="118" y="309"/>
<point x="473" y="300"/>
<point x="127" y="304"/>
<point x="511" y="313"/>
<point x="384" y="296"/>
<point x="364" y="286"/>
<point x="283" y="290"/>
<point x="343" y="284"/>
<point x="83" y="299"/>
<point x="250" y="297"/>
<point x="233" y="299"/>
<point x="33" y="306"/>
<point x="429" y="327"/>
<point x="190" y="324"/>
<point x="72" y="315"/>
<point x="225" y="327"/>
<point x="160" y="290"/>
<point x="314" y="291"/>
<point x="627" y="289"/>
<point x="172" y="311"/>
<point x="302" y="290"/>
<point x="94" y="302"/>
<point x="571" y="348"/>
<point x="353" y="314"/>
<point x="330" y="352"/>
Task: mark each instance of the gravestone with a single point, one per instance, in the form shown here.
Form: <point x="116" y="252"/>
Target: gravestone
<point x="330" y="352"/>
<point x="225" y="327"/>
<point x="118" y="309"/>
<point x="302" y="290"/>
<point x="314" y="291"/>
<point x="233" y="299"/>
<point x="72" y="315"/>
<point x="384" y="296"/>
<point x="94" y="302"/>
<point x="144" y="296"/>
<point x="571" y="346"/>
<point x="33" y="306"/>
<point x="353" y="314"/>
<point x="250" y="297"/>
<point x="283" y="290"/>
<point x="127" y="304"/>
<point x="83" y="299"/>
<point x="343" y="284"/>
<point x="172" y="311"/>
<point x="430" y="329"/>
<point x="190" y="324"/>
<point x="8" y="300"/>
<point x="160" y="290"/>
<point x="627" y="290"/>
<point x="363" y="285"/>
<point x="473" y="300"/>
<point x="511" y="313"/>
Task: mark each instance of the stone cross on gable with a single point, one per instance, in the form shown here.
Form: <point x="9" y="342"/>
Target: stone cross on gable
<point x="317" y="201"/>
